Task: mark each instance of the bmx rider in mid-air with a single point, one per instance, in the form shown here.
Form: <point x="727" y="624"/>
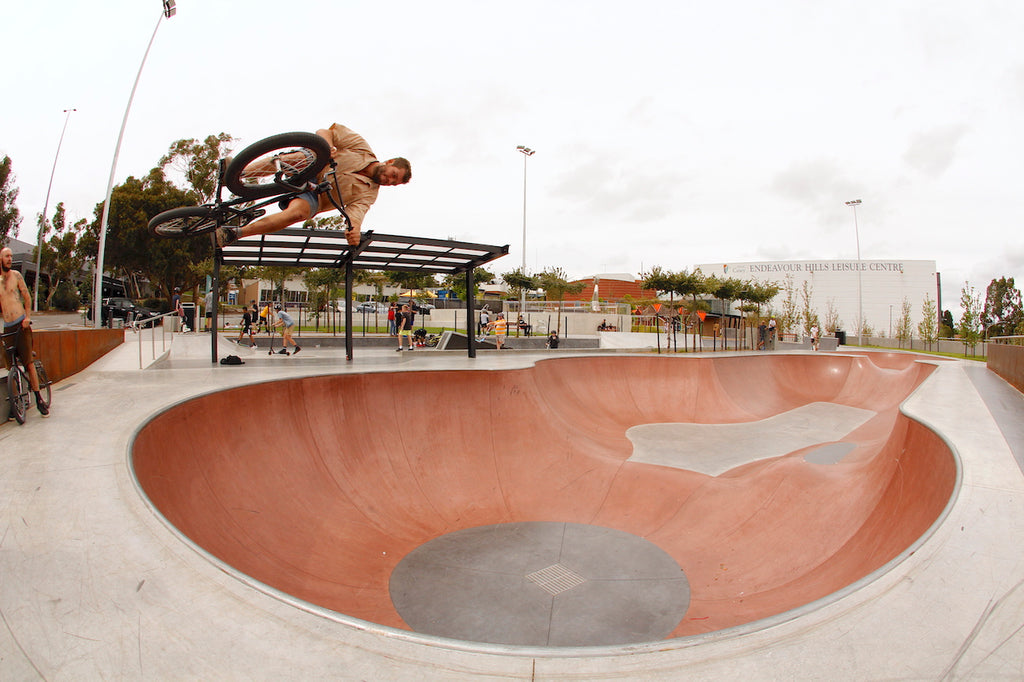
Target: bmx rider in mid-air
<point x="359" y="175"/>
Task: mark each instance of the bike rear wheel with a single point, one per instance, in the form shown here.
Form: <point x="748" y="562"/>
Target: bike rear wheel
<point x="17" y="393"/>
<point x="278" y="164"/>
<point x="44" y="383"/>
<point x="186" y="221"/>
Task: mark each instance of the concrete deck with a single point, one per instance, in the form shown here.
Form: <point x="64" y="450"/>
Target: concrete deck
<point x="94" y="584"/>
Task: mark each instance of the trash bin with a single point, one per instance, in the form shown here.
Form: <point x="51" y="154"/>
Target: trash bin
<point x="841" y="336"/>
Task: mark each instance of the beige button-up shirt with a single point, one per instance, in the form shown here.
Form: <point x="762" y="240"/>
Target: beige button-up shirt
<point x="358" y="192"/>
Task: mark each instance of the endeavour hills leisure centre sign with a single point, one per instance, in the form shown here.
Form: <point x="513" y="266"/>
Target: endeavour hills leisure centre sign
<point x="815" y="266"/>
<point x="835" y="285"/>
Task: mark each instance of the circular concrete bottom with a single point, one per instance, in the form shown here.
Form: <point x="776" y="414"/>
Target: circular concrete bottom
<point x="541" y="584"/>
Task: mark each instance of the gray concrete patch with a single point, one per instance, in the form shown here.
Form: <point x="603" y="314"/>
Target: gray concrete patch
<point x="713" y="449"/>
<point x="541" y="584"/>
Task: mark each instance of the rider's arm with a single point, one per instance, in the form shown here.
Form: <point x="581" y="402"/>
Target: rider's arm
<point x="26" y="300"/>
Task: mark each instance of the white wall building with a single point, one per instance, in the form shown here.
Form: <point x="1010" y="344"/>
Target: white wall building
<point x="884" y="285"/>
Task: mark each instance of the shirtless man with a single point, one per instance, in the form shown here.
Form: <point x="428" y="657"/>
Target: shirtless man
<point x="16" y="302"/>
<point x="360" y="175"/>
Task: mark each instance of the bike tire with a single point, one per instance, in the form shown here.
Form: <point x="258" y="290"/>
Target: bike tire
<point x="186" y="221"/>
<point x="17" y="393"/>
<point x="314" y="153"/>
<point x="44" y="383"/>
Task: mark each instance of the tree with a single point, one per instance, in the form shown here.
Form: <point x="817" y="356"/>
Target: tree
<point x="947" y="330"/>
<point x="904" y="325"/>
<point x="199" y="162"/>
<point x="62" y="256"/>
<point x="808" y="315"/>
<point x="970" y="324"/>
<point x="555" y="284"/>
<point x="787" y="321"/>
<point x="9" y="216"/>
<point x="832" y="321"/>
<point x="1003" y="311"/>
<point x="926" y="329"/>
<point x="694" y="285"/>
<point x="457" y="282"/>
<point x="726" y="291"/>
<point x="130" y="245"/>
<point x="519" y="283"/>
<point x="757" y="294"/>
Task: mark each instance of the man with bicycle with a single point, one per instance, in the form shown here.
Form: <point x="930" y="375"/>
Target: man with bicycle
<point x="16" y="302"/>
<point x="359" y="175"/>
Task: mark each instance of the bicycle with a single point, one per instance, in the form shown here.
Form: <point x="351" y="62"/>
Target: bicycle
<point x="274" y="170"/>
<point x="19" y="389"/>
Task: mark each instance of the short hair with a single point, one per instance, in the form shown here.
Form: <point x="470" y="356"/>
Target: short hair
<point x="399" y="162"/>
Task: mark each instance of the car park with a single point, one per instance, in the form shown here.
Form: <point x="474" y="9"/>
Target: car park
<point x="120" y="308"/>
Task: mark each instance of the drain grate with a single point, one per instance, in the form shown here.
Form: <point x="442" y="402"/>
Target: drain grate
<point x="556" y="579"/>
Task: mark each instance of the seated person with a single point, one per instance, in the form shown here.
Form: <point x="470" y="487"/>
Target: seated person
<point x="524" y="326"/>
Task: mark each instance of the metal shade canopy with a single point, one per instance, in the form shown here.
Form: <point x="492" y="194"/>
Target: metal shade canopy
<point x="301" y="247"/>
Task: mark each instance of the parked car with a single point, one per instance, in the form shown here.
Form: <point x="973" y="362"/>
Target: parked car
<point x="420" y="307"/>
<point x="370" y="307"/>
<point x="120" y="308"/>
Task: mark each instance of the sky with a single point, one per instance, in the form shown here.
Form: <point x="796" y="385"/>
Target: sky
<point x="667" y="133"/>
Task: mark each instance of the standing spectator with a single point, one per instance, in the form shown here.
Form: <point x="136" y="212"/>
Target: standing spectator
<point x="762" y="334"/>
<point x="264" y="318"/>
<point x="404" y="320"/>
<point x="179" y="309"/>
<point x="500" y="329"/>
<point x="392" y="325"/>
<point x="246" y="327"/>
<point x="285" y="321"/>
<point x="771" y="334"/>
<point x="208" y="309"/>
<point x="815" y="333"/>
<point x="485" y="321"/>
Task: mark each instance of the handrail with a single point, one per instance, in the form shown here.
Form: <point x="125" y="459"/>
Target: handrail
<point x="140" y="326"/>
<point x="1015" y="340"/>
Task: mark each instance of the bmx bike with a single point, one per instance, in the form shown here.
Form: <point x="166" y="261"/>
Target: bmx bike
<point x="274" y="170"/>
<point x="19" y="389"/>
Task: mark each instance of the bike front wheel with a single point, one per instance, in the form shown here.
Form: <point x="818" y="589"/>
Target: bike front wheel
<point x="276" y="165"/>
<point x="44" y="383"/>
<point x="186" y="221"/>
<point x="17" y="393"/>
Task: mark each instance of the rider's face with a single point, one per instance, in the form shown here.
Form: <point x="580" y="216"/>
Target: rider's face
<point x="387" y="174"/>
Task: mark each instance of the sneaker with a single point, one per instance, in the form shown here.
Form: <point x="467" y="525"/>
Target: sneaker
<point x="226" y="235"/>
<point x="399" y="349"/>
<point x="297" y="349"/>
<point x="283" y="351"/>
<point x="43" y="409"/>
<point x="253" y="346"/>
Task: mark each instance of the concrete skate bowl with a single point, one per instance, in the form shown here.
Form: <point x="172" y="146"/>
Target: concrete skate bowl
<point x="320" y="487"/>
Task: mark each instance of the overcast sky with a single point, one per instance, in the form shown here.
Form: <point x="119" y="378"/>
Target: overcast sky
<point x="667" y="133"/>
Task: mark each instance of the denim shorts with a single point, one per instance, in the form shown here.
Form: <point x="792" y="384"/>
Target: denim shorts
<point x="312" y="199"/>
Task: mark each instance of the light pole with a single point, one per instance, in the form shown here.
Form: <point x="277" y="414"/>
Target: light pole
<point x="527" y="153"/>
<point x="860" y="284"/>
<point x="46" y="207"/>
<point x="168" y="11"/>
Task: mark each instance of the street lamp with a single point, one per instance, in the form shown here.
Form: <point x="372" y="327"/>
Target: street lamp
<point x="168" y="11"/>
<point x="46" y="207"/>
<point x="860" y="284"/>
<point x="526" y="152"/>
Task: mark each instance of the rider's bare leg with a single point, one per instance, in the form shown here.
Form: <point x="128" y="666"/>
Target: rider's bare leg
<point x="297" y="211"/>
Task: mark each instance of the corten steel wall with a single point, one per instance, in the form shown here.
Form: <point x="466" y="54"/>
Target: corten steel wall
<point x="1007" y="361"/>
<point x="67" y="351"/>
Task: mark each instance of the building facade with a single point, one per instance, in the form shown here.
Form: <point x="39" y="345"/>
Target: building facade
<point x="879" y="287"/>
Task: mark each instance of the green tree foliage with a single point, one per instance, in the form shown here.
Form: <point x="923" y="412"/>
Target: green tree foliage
<point x="927" y="329"/>
<point x="970" y="324"/>
<point x="808" y="316"/>
<point x="198" y="162"/>
<point x="62" y="255"/>
<point x="556" y="285"/>
<point x="518" y="283"/>
<point x="133" y="250"/>
<point x="457" y="282"/>
<point x="1003" y="312"/>
<point x="904" y="325"/>
<point x="947" y="330"/>
<point x="9" y="216"/>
